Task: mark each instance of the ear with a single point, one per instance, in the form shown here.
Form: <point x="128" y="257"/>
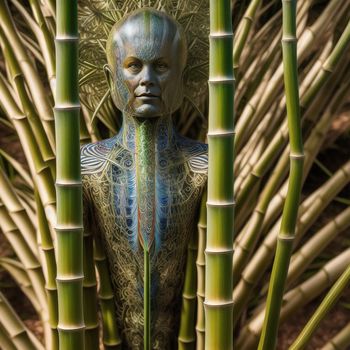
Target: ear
<point x="109" y="76"/>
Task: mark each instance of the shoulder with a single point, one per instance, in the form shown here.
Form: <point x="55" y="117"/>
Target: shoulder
<point x="196" y="154"/>
<point x="94" y="156"/>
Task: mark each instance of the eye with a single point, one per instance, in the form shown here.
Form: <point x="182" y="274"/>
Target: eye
<point x="134" y="66"/>
<point x="161" y="66"/>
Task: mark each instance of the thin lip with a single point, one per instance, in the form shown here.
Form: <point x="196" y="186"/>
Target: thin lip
<point x="145" y="94"/>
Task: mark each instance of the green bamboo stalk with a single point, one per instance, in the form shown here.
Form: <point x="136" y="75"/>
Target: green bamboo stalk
<point x="187" y="333"/>
<point x="90" y="295"/>
<point x="290" y="211"/>
<point x="111" y="337"/>
<point x="253" y="227"/>
<point x="68" y="184"/>
<point x="218" y="303"/>
<point x="49" y="265"/>
<point x="340" y="341"/>
<point x="327" y="304"/>
<point x="20" y="336"/>
<point x="200" y="262"/>
<point x="32" y="78"/>
<point x="296" y="298"/>
<point x="309" y="211"/>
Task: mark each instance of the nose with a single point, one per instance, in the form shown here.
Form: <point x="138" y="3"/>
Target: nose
<point x="148" y="77"/>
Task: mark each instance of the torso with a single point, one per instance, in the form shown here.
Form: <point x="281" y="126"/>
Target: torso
<point x="110" y="191"/>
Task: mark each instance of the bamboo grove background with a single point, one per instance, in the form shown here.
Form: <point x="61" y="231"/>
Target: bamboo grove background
<point x="319" y="268"/>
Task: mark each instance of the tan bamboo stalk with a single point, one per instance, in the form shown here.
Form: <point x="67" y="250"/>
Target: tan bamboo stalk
<point x="316" y="244"/>
<point x="19" y="274"/>
<point x="258" y="264"/>
<point x="305" y="43"/>
<point x="27" y="105"/>
<point x="297" y="298"/>
<point x="32" y="78"/>
<point x="18" y="167"/>
<point x="200" y="262"/>
<point x="20" y="336"/>
<point x="47" y="44"/>
<point x="326" y="305"/>
<point x="17" y="213"/>
<point x="5" y="340"/>
<point x="24" y="254"/>
<point x="340" y="341"/>
<point x="111" y="337"/>
<point x="41" y="173"/>
<point x="43" y="36"/>
<point x="218" y="303"/>
<point x="69" y="228"/>
<point x="243" y="32"/>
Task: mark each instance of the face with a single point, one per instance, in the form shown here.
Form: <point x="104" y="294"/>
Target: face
<point x="147" y="76"/>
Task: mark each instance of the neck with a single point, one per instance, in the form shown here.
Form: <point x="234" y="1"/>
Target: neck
<point x="158" y="132"/>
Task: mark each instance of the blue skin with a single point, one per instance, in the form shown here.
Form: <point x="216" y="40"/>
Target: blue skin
<point x="143" y="186"/>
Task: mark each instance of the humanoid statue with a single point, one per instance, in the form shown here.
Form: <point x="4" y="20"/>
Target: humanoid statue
<point x="142" y="188"/>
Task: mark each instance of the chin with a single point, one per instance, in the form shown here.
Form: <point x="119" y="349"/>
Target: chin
<point x="148" y="111"/>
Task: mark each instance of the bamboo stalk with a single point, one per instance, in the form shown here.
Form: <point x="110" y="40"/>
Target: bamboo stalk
<point x="90" y="295"/>
<point x="20" y="336"/>
<point x="19" y="274"/>
<point x="49" y="264"/>
<point x="200" y="262"/>
<point x="187" y="333"/>
<point x="32" y="78"/>
<point x="309" y="211"/>
<point x="111" y="337"/>
<point x="218" y="303"/>
<point x="327" y="303"/>
<point x="316" y="244"/>
<point x="5" y="340"/>
<point x="41" y="173"/>
<point x="68" y="184"/>
<point x="296" y="298"/>
<point x="340" y="341"/>
<point x="290" y="211"/>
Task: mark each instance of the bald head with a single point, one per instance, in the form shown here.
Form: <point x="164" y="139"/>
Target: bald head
<point x="146" y="31"/>
<point x="146" y="53"/>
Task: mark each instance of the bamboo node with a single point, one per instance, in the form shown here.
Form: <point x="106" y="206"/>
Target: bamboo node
<point x="218" y="304"/>
<point x="220" y="35"/>
<point x="282" y="237"/>
<point x="186" y="341"/>
<point x="68" y="183"/>
<point x="69" y="279"/>
<point x="73" y="328"/>
<point x="297" y="156"/>
<point x="223" y="133"/>
<point x="189" y="297"/>
<point x="289" y="39"/>
<point x="221" y="204"/>
<point x="66" y="38"/>
<point x="222" y="80"/>
<point x="221" y="251"/>
<point x="66" y="107"/>
<point x="66" y="228"/>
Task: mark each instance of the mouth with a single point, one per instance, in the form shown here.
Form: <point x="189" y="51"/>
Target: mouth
<point x="147" y="95"/>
